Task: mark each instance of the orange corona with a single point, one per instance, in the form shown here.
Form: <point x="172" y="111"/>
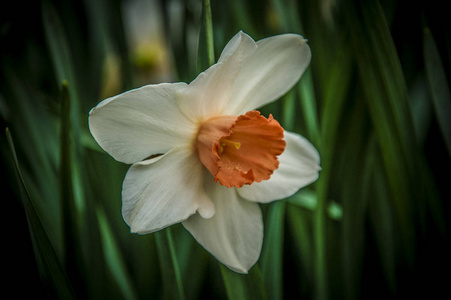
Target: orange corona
<point x="240" y="150"/>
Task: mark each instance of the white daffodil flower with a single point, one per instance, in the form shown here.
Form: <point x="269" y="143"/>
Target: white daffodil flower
<point x="200" y="153"/>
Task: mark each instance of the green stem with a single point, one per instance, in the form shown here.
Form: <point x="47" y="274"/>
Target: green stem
<point x="209" y="32"/>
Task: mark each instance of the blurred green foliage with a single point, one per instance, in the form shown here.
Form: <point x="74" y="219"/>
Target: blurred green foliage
<point x="375" y="102"/>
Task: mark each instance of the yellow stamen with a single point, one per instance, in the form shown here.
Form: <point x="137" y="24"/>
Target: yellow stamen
<point x="226" y="142"/>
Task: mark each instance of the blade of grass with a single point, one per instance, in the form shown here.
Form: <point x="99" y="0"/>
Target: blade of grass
<point x="289" y="110"/>
<point x="385" y="94"/>
<point x="272" y="255"/>
<point x="337" y="84"/>
<point x="113" y="257"/>
<point x="392" y="77"/>
<point x="287" y="13"/>
<point x="381" y="215"/>
<point x="50" y="269"/>
<point x="137" y="253"/>
<point x="37" y="138"/>
<point x="172" y="278"/>
<point x="438" y="86"/>
<point x="193" y="262"/>
<point x="239" y="286"/>
<point x="354" y="198"/>
<point x="63" y="65"/>
<point x="308" y="104"/>
<point x="209" y="32"/>
<point x="421" y="109"/>
<point x="60" y="54"/>
<point x="302" y="238"/>
<point x="290" y="22"/>
<point x="72" y="251"/>
<point x="242" y="18"/>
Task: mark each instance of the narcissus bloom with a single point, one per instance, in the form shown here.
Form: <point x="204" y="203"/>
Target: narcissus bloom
<point x="203" y="156"/>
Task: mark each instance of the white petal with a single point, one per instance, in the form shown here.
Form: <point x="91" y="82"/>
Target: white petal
<point x="208" y="94"/>
<point x="141" y="122"/>
<point x="234" y="235"/>
<point x="299" y="166"/>
<point x="240" y="46"/>
<point x="269" y="73"/>
<point x="163" y="191"/>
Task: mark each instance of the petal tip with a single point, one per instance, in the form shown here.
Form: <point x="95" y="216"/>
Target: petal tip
<point x="239" y="269"/>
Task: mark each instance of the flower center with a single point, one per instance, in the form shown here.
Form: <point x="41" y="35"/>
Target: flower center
<point x="240" y="150"/>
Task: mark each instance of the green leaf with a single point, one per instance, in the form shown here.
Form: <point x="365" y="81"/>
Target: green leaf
<point x="385" y="93"/>
<point x="243" y="286"/>
<point x="193" y="261"/>
<point x="271" y="260"/>
<point x="354" y="198"/>
<point x="50" y="269"/>
<point x="299" y="224"/>
<point x="289" y="110"/>
<point x="209" y="32"/>
<point x="421" y="109"/>
<point x="169" y="265"/>
<point x="112" y="255"/>
<point x="308" y="107"/>
<point x="381" y="217"/>
<point x="71" y="235"/>
<point x="61" y="57"/>
<point x="36" y="139"/>
<point x="438" y="86"/>
<point x="290" y="22"/>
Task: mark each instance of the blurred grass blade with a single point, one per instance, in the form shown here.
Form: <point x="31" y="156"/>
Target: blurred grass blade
<point x="381" y="216"/>
<point x="438" y="86"/>
<point x="299" y="225"/>
<point x="386" y="97"/>
<point x="50" y="269"/>
<point x="36" y="136"/>
<point x="337" y="84"/>
<point x="320" y="265"/>
<point x="290" y="22"/>
<point x="354" y="200"/>
<point x="421" y="108"/>
<point x="192" y="260"/>
<point x="289" y="110"/>
<point x="242" y="18"/>
<point x="75" y="212"/>
<point x="288" y="17"/>
<point x="271" y="260"/>
<point x="240" y="286"/>
<point x="60" y="54"/>
<point x="209" y="32"/>
<point x="392" y="77"/>
<point x="172" y="278"/>
<point x="308" y="105"/>
<point x="113" y="257"/>
<point x="61" y="57"/>
<point x="71" y="237"/>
